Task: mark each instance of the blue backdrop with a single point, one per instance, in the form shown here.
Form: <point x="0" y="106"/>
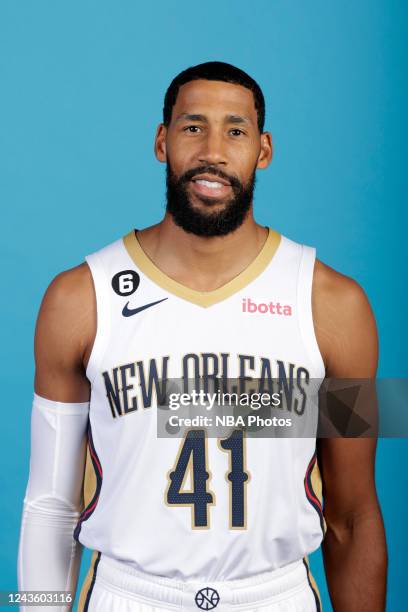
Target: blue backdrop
<point x="81" y="92"/>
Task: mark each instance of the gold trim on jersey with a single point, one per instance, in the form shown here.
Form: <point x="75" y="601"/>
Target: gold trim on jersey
<point x="313" y="584"/>
<point x="90" y="482"/>
<point x="203" y="298"/>
<point x="317" y="486"/>
<point x="88" y="581"/>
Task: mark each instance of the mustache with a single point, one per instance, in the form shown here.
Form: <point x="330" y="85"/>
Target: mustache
<point x="187" y="176"/>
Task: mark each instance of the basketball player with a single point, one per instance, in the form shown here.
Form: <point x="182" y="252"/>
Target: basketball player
<point x="207" y="291"/>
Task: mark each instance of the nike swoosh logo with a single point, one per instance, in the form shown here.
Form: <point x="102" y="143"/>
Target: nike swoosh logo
<point x="128" y="312"/>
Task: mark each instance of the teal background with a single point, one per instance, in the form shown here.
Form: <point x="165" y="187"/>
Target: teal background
<point x="81" y="92"/>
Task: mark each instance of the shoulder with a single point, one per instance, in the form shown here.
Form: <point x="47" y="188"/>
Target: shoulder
<point x="69" y="295"/>
<point x="70" y="285"/>
<point x="338" y="290"/>
<point x="344" y="323"/>
<point x="67" y="315"/>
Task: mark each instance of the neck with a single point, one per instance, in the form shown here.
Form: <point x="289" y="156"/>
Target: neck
<point x="202" y="263"/>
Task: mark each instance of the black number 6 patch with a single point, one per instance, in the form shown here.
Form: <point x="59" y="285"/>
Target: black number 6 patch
<point x="126" y="282"/>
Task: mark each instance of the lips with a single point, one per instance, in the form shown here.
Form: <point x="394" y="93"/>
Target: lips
<point x="210" y="185"/>
<point x="210" y="178"/>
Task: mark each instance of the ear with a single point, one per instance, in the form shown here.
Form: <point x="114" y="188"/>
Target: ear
<point x="160" y="143"/>
<point x="266" y="152"/>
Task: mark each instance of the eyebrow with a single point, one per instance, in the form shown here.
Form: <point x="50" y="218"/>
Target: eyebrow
<point x="237" y="119"/>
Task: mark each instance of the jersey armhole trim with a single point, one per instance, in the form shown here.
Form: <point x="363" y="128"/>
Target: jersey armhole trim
<point x="103" y="317"/>
<point x="304" y="304"/>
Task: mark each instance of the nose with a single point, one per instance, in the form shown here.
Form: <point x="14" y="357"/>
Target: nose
<point x="212" y="149"/>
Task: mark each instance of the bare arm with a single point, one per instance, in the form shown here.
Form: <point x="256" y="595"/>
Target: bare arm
<point x="66" y="327"/>
<point x="354" y="548"/>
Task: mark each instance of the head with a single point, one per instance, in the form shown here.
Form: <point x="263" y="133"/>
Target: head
<point x="212" y="142"/>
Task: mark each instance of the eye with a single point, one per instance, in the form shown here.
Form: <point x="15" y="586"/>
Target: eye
<point x="193" y="129"/>
<point x="237" y="131"/>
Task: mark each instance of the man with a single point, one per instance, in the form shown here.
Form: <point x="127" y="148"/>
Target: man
<point x="207" y="292"/>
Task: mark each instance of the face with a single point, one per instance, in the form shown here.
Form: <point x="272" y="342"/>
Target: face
<point x="212" y="149"/>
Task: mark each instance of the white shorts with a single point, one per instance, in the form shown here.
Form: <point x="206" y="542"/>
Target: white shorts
<point x="114" y="586"/>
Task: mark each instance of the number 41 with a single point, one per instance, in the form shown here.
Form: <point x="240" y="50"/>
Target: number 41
<point x="192" y="458"/>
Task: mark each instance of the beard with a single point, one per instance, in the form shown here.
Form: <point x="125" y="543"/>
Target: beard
<point x="207" y="222"/>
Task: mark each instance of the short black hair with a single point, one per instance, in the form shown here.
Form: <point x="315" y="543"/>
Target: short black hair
<point x="214" y="71"/>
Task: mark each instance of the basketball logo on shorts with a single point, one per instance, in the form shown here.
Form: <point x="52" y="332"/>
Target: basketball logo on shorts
<point x="125" y="282"/>
<point x="207" y="599"/>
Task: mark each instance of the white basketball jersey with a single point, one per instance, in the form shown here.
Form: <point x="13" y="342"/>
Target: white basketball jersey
<point x="197" y="507"/>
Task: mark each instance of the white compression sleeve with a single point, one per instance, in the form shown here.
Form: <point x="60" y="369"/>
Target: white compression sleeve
<point x="48" y="556"/>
